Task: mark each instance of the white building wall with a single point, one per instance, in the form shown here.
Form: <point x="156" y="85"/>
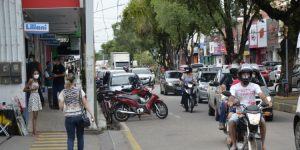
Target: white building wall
<point x="12" y="45"/>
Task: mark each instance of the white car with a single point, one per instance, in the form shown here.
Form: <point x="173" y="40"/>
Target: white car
<point x="275" y="74"/>
<point x="144" y="74"/>
<point x="120" y="81"/>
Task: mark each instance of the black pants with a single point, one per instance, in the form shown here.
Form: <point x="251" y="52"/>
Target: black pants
<point x="184" y="97"/>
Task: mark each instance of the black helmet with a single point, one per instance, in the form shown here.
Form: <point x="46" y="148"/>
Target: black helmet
<point x="234" y="69"/>
<point x="245" y="69"/>
<point x="188" y="69"/>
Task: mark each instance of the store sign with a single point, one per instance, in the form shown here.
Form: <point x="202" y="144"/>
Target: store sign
<point x="47" y="36"/>
<point x="52" y="42"/>
<point x="36" y="27"/>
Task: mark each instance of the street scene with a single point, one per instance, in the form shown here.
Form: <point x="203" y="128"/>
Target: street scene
<point x="149" y="74"/>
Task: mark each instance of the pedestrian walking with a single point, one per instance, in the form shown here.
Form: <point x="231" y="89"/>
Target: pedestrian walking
<point x="34" y="104"/>
<point x="72" y="100"/>
<point x="48" y="78"/>
<point x="58" y="81"/>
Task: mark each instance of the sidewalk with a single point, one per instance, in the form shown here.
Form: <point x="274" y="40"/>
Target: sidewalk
<point x="52" y="136"/>
<point x="285" y="104"/>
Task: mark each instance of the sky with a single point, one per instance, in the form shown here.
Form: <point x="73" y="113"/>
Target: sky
<point x="106" y="13"/>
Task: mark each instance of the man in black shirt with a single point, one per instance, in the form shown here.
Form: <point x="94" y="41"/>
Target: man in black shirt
<point x="58" y="80"/>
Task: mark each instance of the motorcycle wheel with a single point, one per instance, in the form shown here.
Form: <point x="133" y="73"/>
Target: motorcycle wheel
<point x="160" y="109"/>
<point x="121" y="117"/>
<point x="255" y="144"/>
<point x="192" y="104"/>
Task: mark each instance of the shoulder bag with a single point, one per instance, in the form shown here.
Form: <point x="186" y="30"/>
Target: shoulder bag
<point x="85" y="122"/>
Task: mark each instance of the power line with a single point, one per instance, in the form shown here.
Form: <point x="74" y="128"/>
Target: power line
<point x="104" y="21"/>
<point x="108" y="8"/>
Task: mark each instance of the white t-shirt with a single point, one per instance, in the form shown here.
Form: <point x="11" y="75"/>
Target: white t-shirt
<point x="246" y="95"/>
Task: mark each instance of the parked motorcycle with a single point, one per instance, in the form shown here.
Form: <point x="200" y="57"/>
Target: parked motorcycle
<point x="126" y="105"/>
<point x="248" y="132"/>
<point x="190" y="102"/>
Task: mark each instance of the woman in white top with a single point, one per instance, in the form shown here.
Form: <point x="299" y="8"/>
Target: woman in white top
<point x="70" y="103"/>
<point x="34" y="104"/>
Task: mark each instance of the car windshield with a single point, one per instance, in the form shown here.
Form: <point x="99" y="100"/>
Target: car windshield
<point x="141" y="71"/>
<point x="206" y="77"/>
<point x="120" y="80"/>
<point x="176" y="75"/>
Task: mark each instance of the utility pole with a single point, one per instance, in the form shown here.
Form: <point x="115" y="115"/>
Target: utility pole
<point x="286" y="54"/>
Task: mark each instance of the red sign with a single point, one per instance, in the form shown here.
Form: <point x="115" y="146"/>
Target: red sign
<point x="44" y="4"/>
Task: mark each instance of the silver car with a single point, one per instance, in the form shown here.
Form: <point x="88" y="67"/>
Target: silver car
<point x="203" y="80"/>
<point x="144" y="74"/>
<point x="120" y="81"/>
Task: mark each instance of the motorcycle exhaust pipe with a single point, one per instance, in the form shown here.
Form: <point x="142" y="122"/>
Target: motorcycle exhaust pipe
<point x="126" y="112"/>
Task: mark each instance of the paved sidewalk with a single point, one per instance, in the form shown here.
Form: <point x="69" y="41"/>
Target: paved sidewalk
<point x="52" y="136"/>
<point x="285" y="104"/>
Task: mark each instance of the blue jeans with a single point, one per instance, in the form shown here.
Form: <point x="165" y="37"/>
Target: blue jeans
<point x="56" y="89"/>
<point x="223" y="112"/>
<point x="73" y="124"/>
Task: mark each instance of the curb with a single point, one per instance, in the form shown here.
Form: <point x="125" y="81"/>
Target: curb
<point x="289" y="108"/>
<point x="126" y="131"/>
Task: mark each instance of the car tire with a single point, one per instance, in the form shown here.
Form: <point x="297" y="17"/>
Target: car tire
<point x="161" y="92"/>
<point x="211" y="111"/>
<point x="297" y="135"/>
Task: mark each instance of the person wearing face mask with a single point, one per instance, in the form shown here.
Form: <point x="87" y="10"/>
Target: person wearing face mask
<point x="34" y="104"/>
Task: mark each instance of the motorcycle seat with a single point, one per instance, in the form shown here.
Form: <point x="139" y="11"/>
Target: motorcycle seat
<point x="133" y="97"/>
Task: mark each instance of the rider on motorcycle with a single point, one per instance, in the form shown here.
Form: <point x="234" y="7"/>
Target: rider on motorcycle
<point x="187" y="77"/>
<point x="244" y="93"/>
<point x="126" y="68"/>
<point x="226" y="83"/>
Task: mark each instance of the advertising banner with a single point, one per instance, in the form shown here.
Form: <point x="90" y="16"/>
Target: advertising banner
<point x="262" y="33"/>
<point x="253" y="36"/>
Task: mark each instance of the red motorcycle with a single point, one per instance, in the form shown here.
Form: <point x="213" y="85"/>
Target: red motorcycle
<point x="138" y="102"/>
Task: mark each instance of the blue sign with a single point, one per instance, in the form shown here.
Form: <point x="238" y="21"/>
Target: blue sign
<point x="47" y="36"/>
<point x="53" y="42"/>
<point x="36" y="27"/>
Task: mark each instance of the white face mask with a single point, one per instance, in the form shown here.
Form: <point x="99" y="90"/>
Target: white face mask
<point x="36" y="76"/>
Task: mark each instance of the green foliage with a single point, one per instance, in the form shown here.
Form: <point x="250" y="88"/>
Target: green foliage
<point x="144" y="58"/>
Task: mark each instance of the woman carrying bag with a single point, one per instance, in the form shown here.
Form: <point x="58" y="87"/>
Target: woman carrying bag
<point x="72" y="101"/>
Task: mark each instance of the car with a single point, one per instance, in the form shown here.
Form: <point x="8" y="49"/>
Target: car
<point x="170" y="82"/>
<point x="203" y="79"/>
<point x="296" y="76"/>
<point x="196" y="67"/>
<point x="275" y="74"/>
<point x="145" y="75"/>
<point x="270" y="64"/>
<point x="264" y="72"/>
<point x="215" y="97"/>
<point x="297" y="125"/>
<point x="120" y="81"/>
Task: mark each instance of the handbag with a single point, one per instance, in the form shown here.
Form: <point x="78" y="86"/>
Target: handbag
<point x="85" y="122"/>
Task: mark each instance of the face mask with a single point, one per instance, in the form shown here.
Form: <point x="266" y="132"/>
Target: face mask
<point x="36" y="76"/>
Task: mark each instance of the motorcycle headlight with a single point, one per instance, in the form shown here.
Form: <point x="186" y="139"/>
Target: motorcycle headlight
<point x="170" y="84"/>
<point x="269" y="98"/>
<point x="254" y="119"/>
<point x="190" y="85"/>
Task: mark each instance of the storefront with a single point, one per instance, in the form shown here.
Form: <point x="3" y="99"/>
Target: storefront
<point x="66" y="19"/>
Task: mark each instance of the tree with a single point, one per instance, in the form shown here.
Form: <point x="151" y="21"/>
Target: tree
<point x="289" y="13"/>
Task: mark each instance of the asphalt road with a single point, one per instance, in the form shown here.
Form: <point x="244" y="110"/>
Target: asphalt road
<point x="194" y="131"/>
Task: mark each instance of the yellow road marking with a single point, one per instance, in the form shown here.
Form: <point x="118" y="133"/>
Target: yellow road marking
<point x="134" y="144"/>
<point x="51" y="141"/>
